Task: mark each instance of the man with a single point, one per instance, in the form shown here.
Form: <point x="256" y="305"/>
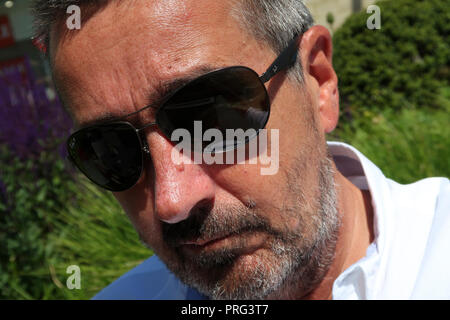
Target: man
<point x="327" y="224"/>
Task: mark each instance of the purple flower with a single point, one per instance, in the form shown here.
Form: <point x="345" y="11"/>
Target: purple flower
<point x="29" y="122"/>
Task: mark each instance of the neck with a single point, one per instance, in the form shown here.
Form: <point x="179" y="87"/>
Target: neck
<point x="355" y="233"/>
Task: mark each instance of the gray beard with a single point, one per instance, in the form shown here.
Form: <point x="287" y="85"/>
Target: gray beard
<point x="294" y="264"/>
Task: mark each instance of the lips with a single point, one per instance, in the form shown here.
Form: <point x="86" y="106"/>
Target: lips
<point x="198" y="247"/>
<point x="223" y="249"/>
<point x="202" y="243"/>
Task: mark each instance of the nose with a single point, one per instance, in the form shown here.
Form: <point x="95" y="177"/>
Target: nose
<point x="179" y="186"/>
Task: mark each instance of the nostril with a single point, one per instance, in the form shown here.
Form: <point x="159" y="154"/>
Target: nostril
<point x="202" y="208"/>
<point x="190" y="228"/>
<point x="198" y="212"/>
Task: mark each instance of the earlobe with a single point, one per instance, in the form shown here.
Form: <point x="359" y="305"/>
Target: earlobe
<point x="316" y="50"/>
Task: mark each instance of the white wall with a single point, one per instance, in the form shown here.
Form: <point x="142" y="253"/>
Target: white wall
<point x="340" y="9"/>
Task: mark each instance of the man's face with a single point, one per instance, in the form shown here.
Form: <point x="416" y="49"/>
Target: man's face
<point x="225" y="229"/>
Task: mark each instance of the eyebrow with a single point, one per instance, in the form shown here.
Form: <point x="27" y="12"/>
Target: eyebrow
<point x="155" y="98"/>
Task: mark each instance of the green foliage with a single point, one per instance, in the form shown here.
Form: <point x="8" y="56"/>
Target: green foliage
<point x="49" y="222"/>
<point x="408" y="145"/>
<point x="403" y="64"/>
<point x="35" y="191"/>
<point x="330" y="18"/>
<point x="97" y="236"/>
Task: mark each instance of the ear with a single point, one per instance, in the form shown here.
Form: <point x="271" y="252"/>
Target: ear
<point x="316" y="52"/>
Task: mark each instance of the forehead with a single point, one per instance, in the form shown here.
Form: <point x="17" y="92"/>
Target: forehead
<point x="128" y="48"/>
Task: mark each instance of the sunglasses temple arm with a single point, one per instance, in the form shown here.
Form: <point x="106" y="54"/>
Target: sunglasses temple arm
<point x="285" y="60"/>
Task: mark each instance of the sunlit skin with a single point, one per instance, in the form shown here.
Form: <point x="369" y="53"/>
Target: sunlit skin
<point x="116" y="64"/>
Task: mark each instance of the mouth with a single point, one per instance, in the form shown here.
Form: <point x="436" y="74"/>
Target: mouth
<point x="202" y="241"/>
<point x="199" y="243"/>
<point x="243" y="242"/>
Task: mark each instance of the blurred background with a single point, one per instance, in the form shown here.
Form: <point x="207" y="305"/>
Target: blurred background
<point x="395" y="103"/>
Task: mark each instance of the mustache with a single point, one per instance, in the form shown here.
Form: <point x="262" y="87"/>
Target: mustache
<point x="206" y="222"/>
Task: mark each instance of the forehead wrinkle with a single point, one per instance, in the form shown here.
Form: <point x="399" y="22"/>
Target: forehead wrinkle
<point x="154" y="99"/>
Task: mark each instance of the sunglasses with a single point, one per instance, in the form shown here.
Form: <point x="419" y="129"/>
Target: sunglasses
<point x="111" y="154"/>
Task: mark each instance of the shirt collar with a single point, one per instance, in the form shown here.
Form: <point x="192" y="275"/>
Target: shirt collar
<point x="357" y="281"/>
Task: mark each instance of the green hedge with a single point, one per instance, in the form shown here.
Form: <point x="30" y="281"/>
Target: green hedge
<point x="96" y="235"/>
<point x="403" y="64"/>
<point x="50" y="219"/>
<point x="407" y="145"/>
<point x="34" y="191"/>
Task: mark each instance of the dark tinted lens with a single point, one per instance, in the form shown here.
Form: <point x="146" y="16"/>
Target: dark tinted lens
<point x="231" y="98"/>
<point x="110" y="155"/>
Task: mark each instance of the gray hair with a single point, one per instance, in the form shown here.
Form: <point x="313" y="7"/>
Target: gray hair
<point x="274" y="22"/>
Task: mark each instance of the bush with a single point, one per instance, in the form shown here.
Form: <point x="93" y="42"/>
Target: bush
<point x="35" y="184"/>
<point x="408" y="145"/>
<point x="49" y="222"/>
<point x="97" y="236"/>
<point x="403" y="64"/>
<point x="34" y="191"/>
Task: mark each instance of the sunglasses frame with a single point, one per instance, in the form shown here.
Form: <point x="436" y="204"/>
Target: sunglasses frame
<point x="285" y="60"/>
<point x="142" y="143"/>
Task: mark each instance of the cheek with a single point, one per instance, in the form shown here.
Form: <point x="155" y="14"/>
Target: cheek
<point x="138" y="205"/>
<point x="246" y="184"/>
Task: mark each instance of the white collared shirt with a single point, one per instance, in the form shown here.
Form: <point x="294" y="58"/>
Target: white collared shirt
<point x="408" y="259"/>
<point x="410" y="255"/>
